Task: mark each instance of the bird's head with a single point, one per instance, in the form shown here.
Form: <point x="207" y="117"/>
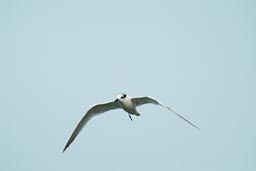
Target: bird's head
<point x="120" y="97"/>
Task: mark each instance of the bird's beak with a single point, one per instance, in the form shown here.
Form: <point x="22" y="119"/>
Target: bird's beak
<point x="116" y="101"/>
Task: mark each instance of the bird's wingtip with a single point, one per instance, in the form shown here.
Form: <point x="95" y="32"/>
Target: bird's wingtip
<point x="196" y="127"/>
<point x="65" y="148"/>
<point x="183" y="118"/>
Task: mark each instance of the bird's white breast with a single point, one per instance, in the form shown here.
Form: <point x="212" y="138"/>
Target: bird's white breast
<point x="128" y="106"/>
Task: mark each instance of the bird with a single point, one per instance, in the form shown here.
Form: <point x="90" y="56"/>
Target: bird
<point x="122" y="101"/>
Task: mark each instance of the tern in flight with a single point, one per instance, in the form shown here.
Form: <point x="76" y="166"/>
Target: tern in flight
<point x="124" y="102"/>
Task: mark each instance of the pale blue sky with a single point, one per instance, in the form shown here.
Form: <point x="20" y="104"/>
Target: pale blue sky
<point x="60" y="57"/>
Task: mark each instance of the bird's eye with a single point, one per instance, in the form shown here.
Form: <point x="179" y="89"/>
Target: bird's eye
<point x="124" y="95"/>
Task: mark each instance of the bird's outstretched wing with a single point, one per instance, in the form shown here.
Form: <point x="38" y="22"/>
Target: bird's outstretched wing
<point x="94" y="110"/>
<point x="146" y="99"/>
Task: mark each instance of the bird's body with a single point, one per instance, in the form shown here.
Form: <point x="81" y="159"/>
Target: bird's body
<point x="122" y="101"/>
<point x="127" y="105"/>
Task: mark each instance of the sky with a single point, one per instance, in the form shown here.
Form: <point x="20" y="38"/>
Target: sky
<point x="58" y="58"/>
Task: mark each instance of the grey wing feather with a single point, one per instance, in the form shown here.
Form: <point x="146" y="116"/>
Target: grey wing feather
<point x="96" y="109"/>
<point x="146" y="99"/>
<point x="138" y="101"/>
